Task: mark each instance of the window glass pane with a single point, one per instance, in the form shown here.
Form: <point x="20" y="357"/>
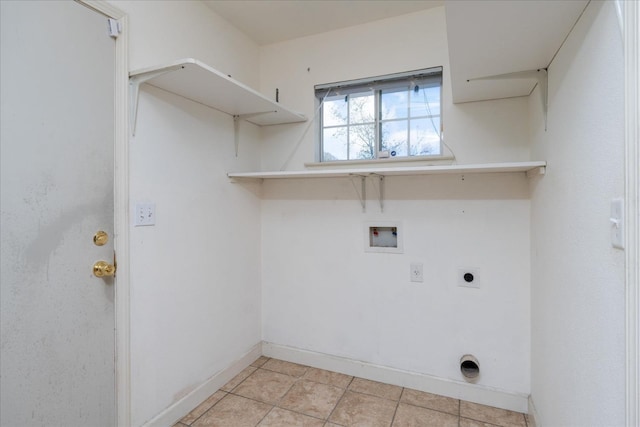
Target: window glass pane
<point x="334" y="144"/>
<point x="425" y="137"/>
<point x="334" y="111"/>
<point x="394" y="136"/>
<point x="361" y="108"/>
<point x="425" y="102"/>
<point x="394" y="104"/>
<point x="399" y="113"/>
<point x="362" y="142"/>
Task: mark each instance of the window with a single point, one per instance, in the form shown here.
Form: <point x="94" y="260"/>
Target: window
<point x="390" y="116"/>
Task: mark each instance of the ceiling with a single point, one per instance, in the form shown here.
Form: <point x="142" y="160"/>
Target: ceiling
<point x="272" y="21"/>
<point x="485" y="37"/>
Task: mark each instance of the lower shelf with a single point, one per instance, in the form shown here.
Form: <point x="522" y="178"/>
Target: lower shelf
<point x="537" y="167"/>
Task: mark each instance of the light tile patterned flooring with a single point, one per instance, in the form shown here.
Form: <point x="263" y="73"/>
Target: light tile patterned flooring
<point x="276" y="393"/>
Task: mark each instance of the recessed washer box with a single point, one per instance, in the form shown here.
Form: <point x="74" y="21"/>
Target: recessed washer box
<point x="383" y="236"/>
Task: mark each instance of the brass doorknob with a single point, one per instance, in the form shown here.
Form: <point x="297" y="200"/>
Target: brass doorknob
<point x="100" y="238"/>
<point x="104" y="269"/>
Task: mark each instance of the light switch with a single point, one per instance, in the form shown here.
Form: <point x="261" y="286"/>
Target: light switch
<point x="617" y="223"/>
<point x="145" y="214"/>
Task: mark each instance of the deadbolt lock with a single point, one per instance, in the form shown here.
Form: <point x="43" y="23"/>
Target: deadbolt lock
<point x="104" y="269"/>
<point x="100" y="238"/>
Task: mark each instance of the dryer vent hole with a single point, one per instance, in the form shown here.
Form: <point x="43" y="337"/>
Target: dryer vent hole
<point x="468" y="277"/>
<point x="469" y="367"/>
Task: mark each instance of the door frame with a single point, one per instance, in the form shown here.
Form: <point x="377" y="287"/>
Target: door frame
<point x="121" y="211"/>
<point x="630" y="21"/>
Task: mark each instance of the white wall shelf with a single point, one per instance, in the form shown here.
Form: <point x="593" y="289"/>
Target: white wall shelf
<point x="537" y="167"/>
<point x="380" y="173"/>
<point x="526" y="47"/>
<point x="199" y="82"/>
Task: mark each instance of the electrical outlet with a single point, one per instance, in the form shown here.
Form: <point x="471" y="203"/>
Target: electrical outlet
<point x="469" y="277"/>
<point x="415" y="271"/>
<point x="145" y="214"/>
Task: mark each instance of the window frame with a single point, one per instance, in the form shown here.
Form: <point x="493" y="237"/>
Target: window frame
<point x="429" y="77"/>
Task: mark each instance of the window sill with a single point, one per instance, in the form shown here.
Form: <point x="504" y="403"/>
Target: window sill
<point x="417" y="160"/>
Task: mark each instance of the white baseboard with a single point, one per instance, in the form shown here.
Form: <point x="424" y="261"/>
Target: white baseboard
<point x="534" y="418"/>
<point x="445" y="387"/>
<point x="182" y="407"/>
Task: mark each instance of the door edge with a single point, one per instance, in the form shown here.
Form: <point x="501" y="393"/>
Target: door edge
<point x="121" y="211"/>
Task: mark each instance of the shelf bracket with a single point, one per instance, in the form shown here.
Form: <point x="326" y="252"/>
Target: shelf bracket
<point x="540" y="74"/>
<point x="134" y="91"/>
<point x="236" y="126"/>
<point x="536" y="172"/>
<point x="362" y="195"/>
<point x="380" y="189"/>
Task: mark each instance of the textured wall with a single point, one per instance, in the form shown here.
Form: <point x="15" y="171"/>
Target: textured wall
<point x="477" y="132"/>
<point x="577" y="282"/>
<point x="195" y="275"/>
<point x="322" y="292"/>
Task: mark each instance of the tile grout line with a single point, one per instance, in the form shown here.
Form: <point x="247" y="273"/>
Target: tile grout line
<point x="256" y="370"/>
<point x="292" y="385"/>
<point x="397" y="406"/>
<point x="226" y="393"/>
<point x="375" y="395"/>
<point x="238" y="395"/>
<point x="260" y="401"/>
<point x="483" y="422"/>
<point x="273" y="406"/>
<point x="277" y="404"/>
<point x="426" y="407"/>
<point x="208" y="409"/>
<point x="339" y="400"/>
<point x="265" y="416"/>
<point x="252" y="399"/>
<point x="302" y="413"/>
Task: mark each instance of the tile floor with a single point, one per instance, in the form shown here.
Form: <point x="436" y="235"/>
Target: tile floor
<point x="273" y="392"/>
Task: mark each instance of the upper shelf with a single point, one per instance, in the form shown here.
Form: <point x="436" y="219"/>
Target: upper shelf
<point x="194" y="80"/>
<point x="397" y="171"/>
<point x="488" y="39"/>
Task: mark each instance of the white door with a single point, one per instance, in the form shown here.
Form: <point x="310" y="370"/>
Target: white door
<point x="57" y="142"/>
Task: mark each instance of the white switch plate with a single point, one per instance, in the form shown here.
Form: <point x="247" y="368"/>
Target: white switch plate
<point x="145" y="214"/>
<point x="617" y="223"/>
<point x="415" y="271"/>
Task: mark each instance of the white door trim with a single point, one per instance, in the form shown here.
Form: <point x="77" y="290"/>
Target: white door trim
<point x="121" y="211"/>
<point x="630" y="30"/>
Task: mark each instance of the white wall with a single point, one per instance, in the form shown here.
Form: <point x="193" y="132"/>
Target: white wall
<point x="195" y="275"/>
<point x="322" y="292"/>
<point x="477" y="132"/>
<point x="163" y="31"/>
<point x="577" y="286"/>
